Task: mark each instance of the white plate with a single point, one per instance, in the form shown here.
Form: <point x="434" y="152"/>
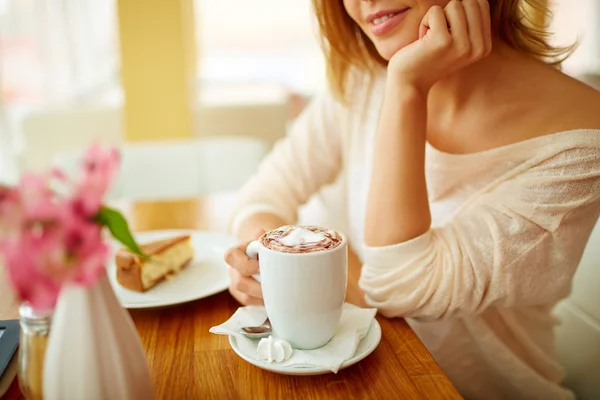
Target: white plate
<point x="365" y="347"/>
<point x="204" y="276"/>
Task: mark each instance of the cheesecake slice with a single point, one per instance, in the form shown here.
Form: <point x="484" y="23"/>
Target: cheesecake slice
<point x="166" y="258"/>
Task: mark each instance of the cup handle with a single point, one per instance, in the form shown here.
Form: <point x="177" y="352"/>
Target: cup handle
<point x="252" y="252"/>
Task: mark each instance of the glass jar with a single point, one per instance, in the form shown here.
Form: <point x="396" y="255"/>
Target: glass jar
<point x="35" y="330"/>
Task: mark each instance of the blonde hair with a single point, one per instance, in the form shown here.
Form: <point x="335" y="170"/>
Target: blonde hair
<point x="522" y="24"/>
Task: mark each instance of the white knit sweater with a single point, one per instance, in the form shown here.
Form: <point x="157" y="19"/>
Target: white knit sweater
<point x="509" y="228"/>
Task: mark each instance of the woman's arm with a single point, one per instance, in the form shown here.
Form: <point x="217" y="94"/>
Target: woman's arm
<point x="517" y="245"/>
<point x="299" y="165"/>
<point x="449" y="40"/>
<point x="398" y="191"/>
<point x="354" y="294"/>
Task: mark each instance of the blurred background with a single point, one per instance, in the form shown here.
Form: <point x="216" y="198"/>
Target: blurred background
<point x="74" y="70"/>
<point x="62" y="64"/>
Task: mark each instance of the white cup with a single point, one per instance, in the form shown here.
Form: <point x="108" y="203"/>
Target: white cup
<point x="304" y="293"/>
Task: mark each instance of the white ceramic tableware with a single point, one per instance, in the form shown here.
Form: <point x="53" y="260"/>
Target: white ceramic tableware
<point x="205" y="275"/>
<point x="303" y="292"/>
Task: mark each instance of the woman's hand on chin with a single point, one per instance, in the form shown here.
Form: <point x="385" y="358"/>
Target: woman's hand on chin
<point x="450" y="38"/>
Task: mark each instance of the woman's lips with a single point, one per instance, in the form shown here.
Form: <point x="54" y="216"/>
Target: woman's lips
<point x="385" y="24"/>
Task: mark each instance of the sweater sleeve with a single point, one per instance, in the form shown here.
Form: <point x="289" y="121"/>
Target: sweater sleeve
<point x="298" y="166"/>
<point x="518" y="244"/>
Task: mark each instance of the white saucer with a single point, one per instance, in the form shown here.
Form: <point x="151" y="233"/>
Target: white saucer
<point x="206" y="275"/>
<point x="365" y="347"/>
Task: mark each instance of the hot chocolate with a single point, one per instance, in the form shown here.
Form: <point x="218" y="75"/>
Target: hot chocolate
<point x="301" y="239"/>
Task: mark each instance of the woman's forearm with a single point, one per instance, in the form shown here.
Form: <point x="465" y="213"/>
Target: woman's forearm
<point x="397" y="205"/>
<point x="256" y="222"/>
<point x="354" y="295"/>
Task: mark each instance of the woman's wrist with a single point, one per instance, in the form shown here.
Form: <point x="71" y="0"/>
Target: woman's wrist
<point x="404" y="109"/>
<point x="406" y="89"/>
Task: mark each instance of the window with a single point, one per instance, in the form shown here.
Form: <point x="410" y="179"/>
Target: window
<point x="55" y="50"/>
<point x="578" y="21"/>
<point x="260" y="41"/>
<point x="63" y="52"/>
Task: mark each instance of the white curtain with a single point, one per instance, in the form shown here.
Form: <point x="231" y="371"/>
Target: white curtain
<point x="274" y="40"/>
<point x="7" y="161"/>
<point x="593" y="35"/>
<point x="8" y="165"/>
<point x="64" y="51"/>
<point x="56" y="49"/>
<point x="52" y="52"/>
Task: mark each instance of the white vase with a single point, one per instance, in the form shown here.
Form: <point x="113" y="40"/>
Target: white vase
<point x="94" y="351"/>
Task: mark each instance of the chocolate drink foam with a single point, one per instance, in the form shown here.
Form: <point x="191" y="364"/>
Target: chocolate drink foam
<point x="301" y="239"/>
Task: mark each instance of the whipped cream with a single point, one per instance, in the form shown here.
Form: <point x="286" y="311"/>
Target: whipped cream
<point x="301" y="239"/>
<point x="301" y="236"/>
<point x="271" y="349"/>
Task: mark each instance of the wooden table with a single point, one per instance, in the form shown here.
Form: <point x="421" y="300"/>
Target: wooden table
<point x="188" y="362"/>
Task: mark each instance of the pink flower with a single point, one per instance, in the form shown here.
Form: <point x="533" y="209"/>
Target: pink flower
<point x="99" y="167"/>
<point x="28" y="257"/>
<point x="37" y="199"/>
<point x="48" y="238"/>
<point x="65" y="246"/>
<point x="84" y="247"/>
<point x="10" y="209"/>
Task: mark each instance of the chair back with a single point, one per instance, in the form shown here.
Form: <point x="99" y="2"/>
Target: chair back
<point x="179" y="169"/>
<point x="578" y="335"/>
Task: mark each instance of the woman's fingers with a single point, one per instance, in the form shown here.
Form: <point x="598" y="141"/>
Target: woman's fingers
<point x="459" y="29"/>
<point x="244" y="299"/>
<point x="243" y="288"/>
<point x="435" y="20"/>
<point x="435" y="26"/>
<point x="476" y="28"/>
<point x="470" y="28"/>
<point x="450" y="38"/>
<point x="486" y="21"/>
<point x="236" y="257"/>
<point x="244" y="284"/>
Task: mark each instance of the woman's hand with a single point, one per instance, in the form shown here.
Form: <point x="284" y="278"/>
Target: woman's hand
<point x="244" y="288"/>
<point x="450" y="38"/>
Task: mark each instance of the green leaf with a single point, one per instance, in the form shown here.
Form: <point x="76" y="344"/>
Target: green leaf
<point x="118" y="227"/>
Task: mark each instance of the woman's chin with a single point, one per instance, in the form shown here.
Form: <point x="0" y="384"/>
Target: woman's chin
<point x="391" y="47"/>
<point x="387" y="54"/>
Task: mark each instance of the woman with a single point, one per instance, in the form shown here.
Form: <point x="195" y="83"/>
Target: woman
<point x="473" y="180"/>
